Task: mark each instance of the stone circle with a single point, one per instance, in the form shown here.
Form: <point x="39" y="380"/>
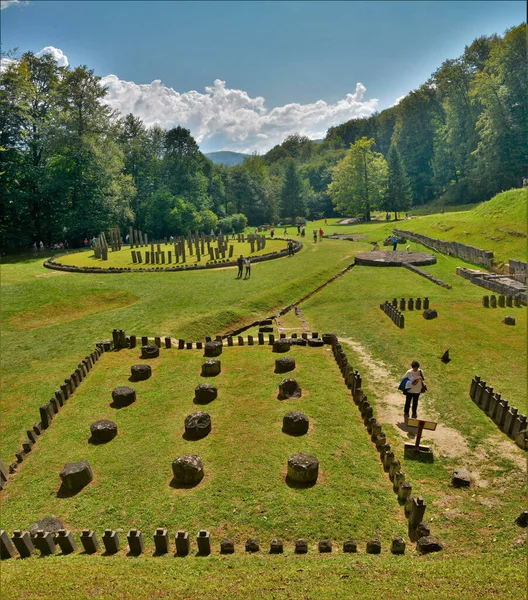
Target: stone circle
<point x="282" y="345"/>
<point x="76" y="475"/>
<point x="213" y="348"/>
<point x="380" y="258"/>
<point x="284" y="364"/>
<point x="103" y="431"/>
<point x="188" y="469"/>
<point x="211" y="368"/>
<point x="303" y="468"/>
<point x="289" y="388"/>
<point x="150" y="351"/>
<point x="140" y="372"/>
<point x="197" y="425"/>
<point x="123" y="396"/>
<point x="205" y="392"/>
<point x="295" y="423"/>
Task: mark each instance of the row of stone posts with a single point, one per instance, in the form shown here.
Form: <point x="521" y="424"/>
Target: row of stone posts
<point x="503" y="301"/>
<point x="137" y="238"/>
<point x="101" y="247"/>
<point x="414" y="507"/>
<point x="115" y="239"/>
<point x="391" y="311"/>
<point x="411" y="303"/>
<point x="506" y="417"/>
<point x="48" y="543"/>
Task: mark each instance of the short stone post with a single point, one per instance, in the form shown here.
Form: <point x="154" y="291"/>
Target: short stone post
<point x="485" y="301"/>
<point x="168" y="343"/>
<point x="426" y="303"/>
<point x="250" y="340"/>
<point x="404" y="491"/>
<point x="418" y="304"/>
<point x="89" y="541"/>
<point x="402" y="304"/>
<point x="229" y="340"/>
<point x="161" y="541"/>
<point x="44" y="542"/>
<point x="410" y="304"/>
<point x="493" y="301"/>
<point x="135" y="542"/>
<point x="204" y="542"/>
<point x="502" y="301"/>
<point x="509" y="301"/>
<point x="65" y="541"/>
<point x="183" y="543"/>
<point x="23" y="543"/>
<point x="181" y="344"/>
<point x="240" y="340"/>
<point x="7" y="550"/>
<point x="111" y="541"/>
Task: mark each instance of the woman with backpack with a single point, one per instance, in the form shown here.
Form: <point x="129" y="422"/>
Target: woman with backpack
<point x="412" y="386"/>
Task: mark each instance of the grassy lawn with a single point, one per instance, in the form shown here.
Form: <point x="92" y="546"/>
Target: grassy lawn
<point x="50" y="320"/>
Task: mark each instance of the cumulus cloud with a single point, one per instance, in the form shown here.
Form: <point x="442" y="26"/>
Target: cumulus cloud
<point x="226" y="118"/>
<point x="60" y="58"/>
<point x="8" y="3"/>
<point x="398" y="100"/>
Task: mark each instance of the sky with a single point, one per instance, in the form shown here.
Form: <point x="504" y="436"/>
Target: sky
<point x="244" y="75"/>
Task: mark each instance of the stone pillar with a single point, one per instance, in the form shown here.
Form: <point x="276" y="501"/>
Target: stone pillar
<point x="493" y="301"/>
<point x="7" y="550"/>
<point x="135" y="542"/>
<point x="89" y="541"/>
<point x="229" y="340"/>
<point x="418" y="304"/>
<point x="111" y="541"/>
<point x="23" y="543"/>
<point x="410" y="304"/>
<point x="426" y="303"/>
<point x="240" y="340"/>
<point x="402" y="304"/>
<point x="161" y="541"/>
<point x="509" y="419"/>
<point x="204" y="542"/>
<point x="271" y="339"/>
<point x="181" y="344"/>
<point x="65" y="541"/>
<point x="250" y="340"/>
<point x="509" y="301"/>
<point x="502" y="301"/>
<point x="261" y="339"/>
<point x="168" y="343"/>
<point x="473" y="387"/>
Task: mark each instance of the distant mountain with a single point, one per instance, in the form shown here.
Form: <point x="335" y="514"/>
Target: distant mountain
<point x="225" y="157"/>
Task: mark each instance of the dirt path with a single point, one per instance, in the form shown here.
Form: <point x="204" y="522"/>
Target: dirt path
<point x="449" y="441"/>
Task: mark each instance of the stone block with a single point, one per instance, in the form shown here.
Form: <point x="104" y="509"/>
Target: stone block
<point x="111" y="541"/>
<point x="183" y="543"/>
<point x="150" y="351"/>
<point x="76" y="475"/>
<point x="461" y="478"/>
<point x="46" y="415"/>
<point x="135" y="542"/>
<point x="211" y="368"/>
<point x="303" y="468"/>
<point x="197" y="425"/>
<point x="289" y="388"/>
<point x="227" y="546"/>
<point x="252" y="545"/>
<point x="281" y="345"/>
<point x="161" y="541"/>
<point x="350" y="546"/>
<point x="204" y="542"/>
<point x="295" y="423"/>
<point x="509" y="321"/>
<point x="123" y="396"/>
<point x="64" y="539"/>
<point x="140" y="372"/>
<point x="250" y="340"/>
<point x="374" y="547"/>
<point x="213" y="348"/>
<point x="398" y="546"/>
<point x="23" y="543"/>
<point x="44" y="542"/>
<point x="284" y="364"/>
<point x="7" y="550"/>
<point x="429" y="314"/>
<point x="428" y="544"/>
<point x="301" y="546"/>
<point x="103" y="431"/>
<point x="188" y="470"/>
<point x="325" y="546"/>
<point x="276" y="546"/>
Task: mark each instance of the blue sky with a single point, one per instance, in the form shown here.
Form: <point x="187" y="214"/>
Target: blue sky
<point x="276" y="64"/>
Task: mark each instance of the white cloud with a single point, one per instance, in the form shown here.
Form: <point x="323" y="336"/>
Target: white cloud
<point x="398" y="100"/>
<point x="8" y="3"/>
<point x="60" y="58"/>
<point x="225" y="118"/>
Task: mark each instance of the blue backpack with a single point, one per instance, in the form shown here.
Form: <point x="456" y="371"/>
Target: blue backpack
<point x="402" y="387"/>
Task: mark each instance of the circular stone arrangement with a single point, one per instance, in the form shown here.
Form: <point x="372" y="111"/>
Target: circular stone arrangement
<point x="140" y="372"/>
<point x="295" y="423"/>
<point x="282" y="345"/>
<point x="211" y="368"/>
<point x="188" y="469"/>
<point x="197" y="425"/>
<point x="284" y="364"/>
<point x="103" y="431"/>
<point x="379" y="258"/>
<point x="76" y="475"/>
<point x="205" y="393"/>
<point x="289" y="388"/>
<point x="303" y="468"/>
<point x="123" y="396"/>
<point x="150" y="351"/>
<point x="213" y="348"/>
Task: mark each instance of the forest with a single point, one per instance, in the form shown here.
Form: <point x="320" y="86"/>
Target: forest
<point x="71" y="168"/>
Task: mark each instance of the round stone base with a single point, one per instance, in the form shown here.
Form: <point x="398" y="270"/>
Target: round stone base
<point x="379" y="258"/>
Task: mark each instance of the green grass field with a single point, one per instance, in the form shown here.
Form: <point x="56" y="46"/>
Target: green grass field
<point x="51" y="319"/>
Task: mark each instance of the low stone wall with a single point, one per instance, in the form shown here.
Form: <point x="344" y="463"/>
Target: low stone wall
<point x="518" y="269"/>
<point x="470" y="254"/>
<point x="52" y="263"/>
<point x="426" y="275"/>
<point x="500" y="284"/>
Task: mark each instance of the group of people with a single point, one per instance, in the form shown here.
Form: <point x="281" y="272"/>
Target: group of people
<point x="241" y="263"/>
<point x="320" y="232"/>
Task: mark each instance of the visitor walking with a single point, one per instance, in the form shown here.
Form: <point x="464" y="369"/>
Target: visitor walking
<point x="315" y="235"/>
<point x="248" y="268"/>
<point x="35" y="249"/>
<point x="240" y="265"/>
<point x="394" y="240"/>
<point x="326" y="222"/>
<point x="298" y="230"/>
<point x="413" y="384"/>
<point x="321" y="234"/>
<point x="285" y="232"/>
<point x="272" y="232"/>
<point x="303" y="232"/>
<point x="41" y="246"/>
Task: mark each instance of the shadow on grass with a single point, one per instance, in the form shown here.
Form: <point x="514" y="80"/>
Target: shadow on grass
<point x="294" y="434"/>
<point x="297" y="485"/>
<point x="113" y="404"/>
<point x="421" y="457"/>
<point x="183" y="486"/>
<point x="202" y="402"/>
<point x="64" y="492"/>
<point x="189" y="437"/>
<point x="95" y="442"/>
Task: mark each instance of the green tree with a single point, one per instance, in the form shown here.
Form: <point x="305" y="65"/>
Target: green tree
<point x="359" y="181"/>
<point x="399" y="195"/>
<point x="294" y="193"/>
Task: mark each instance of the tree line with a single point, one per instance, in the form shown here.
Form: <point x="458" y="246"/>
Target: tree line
<point x="70" y="167"/>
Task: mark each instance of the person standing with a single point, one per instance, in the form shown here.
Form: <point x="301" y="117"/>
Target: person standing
<point x="394" y="243"/>
<point x="248" y="268"/>
<point x="272" y="232"/>
<point x="414" y="387"/>
<point x="298" y="230"/>
<point x="303" y="231"/>
<point x="315" y="236"/>
<point x="321" y="232"/>
<point x="240" y="265"/>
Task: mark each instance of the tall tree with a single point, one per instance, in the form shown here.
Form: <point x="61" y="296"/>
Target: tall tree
<point x="399" y="194"/>
<point x="294" y="200"/>
<point x="359" y="181"/>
